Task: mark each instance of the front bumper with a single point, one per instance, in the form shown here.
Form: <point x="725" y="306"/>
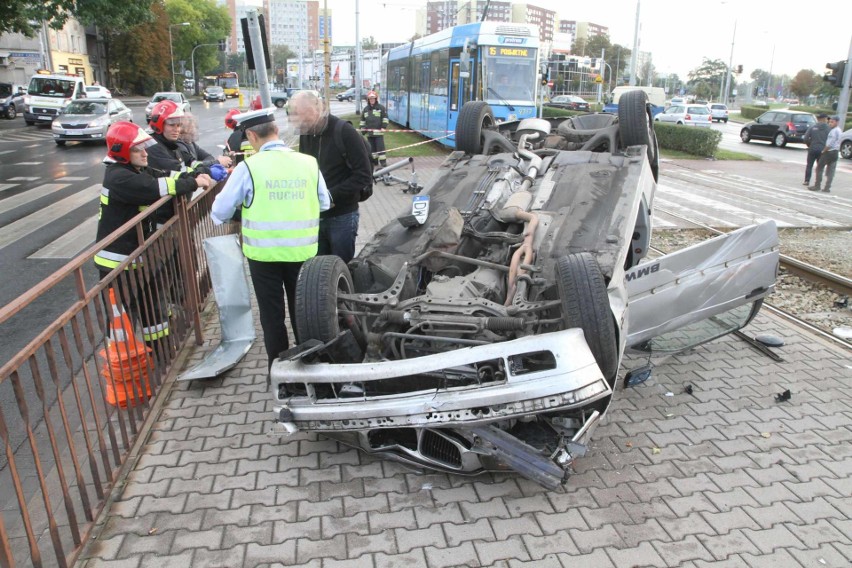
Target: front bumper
<point x="72" y="134"/>
<point x="38" y="114"/>
<point x="571" y="379"/>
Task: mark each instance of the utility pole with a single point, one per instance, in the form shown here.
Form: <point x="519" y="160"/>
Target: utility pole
<point x="259" y="59"/>
<point x="724" y="98"/>
<point x="357" y="58"/>
<point x="634" y="57"/>
<point x="843" y="102"/>
<point x="327" y="61"/>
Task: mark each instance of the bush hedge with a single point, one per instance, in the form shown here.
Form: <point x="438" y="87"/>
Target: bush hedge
<point x="750" y="112"/>
<point x="690" y="139"/>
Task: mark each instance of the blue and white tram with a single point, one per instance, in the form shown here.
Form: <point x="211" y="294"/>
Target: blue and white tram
<point x="426" y="82"/>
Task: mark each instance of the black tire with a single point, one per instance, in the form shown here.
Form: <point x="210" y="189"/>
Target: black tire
<point x="636" y="126"/>
<point x="585" y="304"/>
<point x="846" y="150"/>
<point x="280" y="103"/>
<point x="475" y="116"/>
<point x="321" y="280"/>
<point x="60" y="142"/>
<point x="779" y="140"/>
<point x="11" y="112"/>
<point x="726" y="121"/>
<point x="745" y="135"/>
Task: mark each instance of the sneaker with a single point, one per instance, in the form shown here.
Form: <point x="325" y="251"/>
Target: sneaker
<point x="826" y="190"/>
<point x="806" y="182"/>
<point x="813" y="187"/>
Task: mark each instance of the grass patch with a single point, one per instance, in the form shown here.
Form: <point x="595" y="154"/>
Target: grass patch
<point x="720" y="155"/>
<point x="394" y="140"/>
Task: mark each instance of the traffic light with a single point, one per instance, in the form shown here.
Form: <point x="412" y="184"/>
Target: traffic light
<point x="836" y="76"/>
<point x="221" y="45"/>
<point x="739" y="69"/>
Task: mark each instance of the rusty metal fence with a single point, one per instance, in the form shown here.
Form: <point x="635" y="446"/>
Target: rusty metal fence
<point x="74" y="400"/>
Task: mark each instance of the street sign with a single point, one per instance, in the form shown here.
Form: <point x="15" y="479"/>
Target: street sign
<point x="598" y="79"/>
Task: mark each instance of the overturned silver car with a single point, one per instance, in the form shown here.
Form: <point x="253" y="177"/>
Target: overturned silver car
<point x="484" y="331"/>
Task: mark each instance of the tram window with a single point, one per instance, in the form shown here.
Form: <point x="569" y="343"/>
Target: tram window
<point x="440" y="71"/>
<point x="454" y="87"/>
<point x="415" y="77"/>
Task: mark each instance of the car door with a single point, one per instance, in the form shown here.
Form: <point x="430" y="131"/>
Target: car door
<point x="763" y="126"/>
<point x="702" y="292"/>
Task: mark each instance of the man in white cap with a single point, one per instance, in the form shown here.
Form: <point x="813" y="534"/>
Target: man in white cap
<point x="280" y="194"/>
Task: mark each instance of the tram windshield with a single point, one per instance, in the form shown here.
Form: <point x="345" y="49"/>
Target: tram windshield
<point x="509" y="73"/>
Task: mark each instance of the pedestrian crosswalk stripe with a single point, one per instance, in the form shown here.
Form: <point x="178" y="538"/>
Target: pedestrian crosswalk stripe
<point x="5" y="186"/>
<point x="31" y="195"/>
<point x="71" y="178"/>
<point x="47" y="215"/>
<point x="71" y="243"/>
<point x="23" y="178"/>
<point x="28" y="164"/>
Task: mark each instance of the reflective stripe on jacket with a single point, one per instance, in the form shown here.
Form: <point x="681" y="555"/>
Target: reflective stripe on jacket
<point x="281" y="224"/>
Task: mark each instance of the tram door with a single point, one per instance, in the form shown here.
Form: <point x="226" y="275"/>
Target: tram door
<point x="461" y="91"/>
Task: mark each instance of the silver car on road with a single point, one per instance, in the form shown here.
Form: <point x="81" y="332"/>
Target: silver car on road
<point x="87" y="120"/>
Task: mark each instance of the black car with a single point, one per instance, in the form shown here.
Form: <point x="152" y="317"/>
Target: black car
<point x="568" y="102"/>
<point x="778" y="127"/>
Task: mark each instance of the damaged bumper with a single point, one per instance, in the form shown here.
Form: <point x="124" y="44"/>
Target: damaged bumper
<point x="455" y="410"/>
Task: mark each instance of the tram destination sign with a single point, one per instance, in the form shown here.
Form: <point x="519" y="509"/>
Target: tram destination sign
<point x="510" y="51"/>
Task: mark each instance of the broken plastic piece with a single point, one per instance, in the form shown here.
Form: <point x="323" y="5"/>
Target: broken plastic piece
<point x="637" y="376"/>
<point x="769" y="340"/>
<point x="784" y="396"/>
<point x="687" y="389"/>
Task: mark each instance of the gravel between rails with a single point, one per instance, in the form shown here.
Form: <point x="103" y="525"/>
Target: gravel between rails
<point x="825" y="248"/>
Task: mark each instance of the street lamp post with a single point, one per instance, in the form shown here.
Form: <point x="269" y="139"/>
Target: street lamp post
<point x="192" y="64"/>
<point x="171" y="51"/>
<point x="724" y="98"/>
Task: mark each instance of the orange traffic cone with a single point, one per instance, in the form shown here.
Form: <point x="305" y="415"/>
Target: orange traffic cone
<point x="126" y="360"/>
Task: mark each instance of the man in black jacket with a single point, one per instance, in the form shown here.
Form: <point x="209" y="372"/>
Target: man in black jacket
<point x="345" y="175"/>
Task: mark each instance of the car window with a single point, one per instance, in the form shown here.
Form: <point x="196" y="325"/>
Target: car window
<point x="766" y="117"/>
<point x="85" y="107"/>
<point x="677" y="110"/>
<point x="699" y="110"/>
<point x="803" y="119"/>
<point x="718" y="107"/>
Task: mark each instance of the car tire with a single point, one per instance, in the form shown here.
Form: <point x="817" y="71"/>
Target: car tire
<point x="846" y="149"/>
<point x="726" y="121"/>
<point x="475" y="116"/>
<point x="745" y="135"/>
<point x="585" y="305"/>
<point x="279" y="103"/>
<point x="635" y="126"/>
<point x="60" y="142"/>
<point x="11" y="112"/>
<point x="321" y="280"/>
<point x="779" y="140"/>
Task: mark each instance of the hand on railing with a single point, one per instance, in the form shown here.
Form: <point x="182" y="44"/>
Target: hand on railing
<point x="204" y="181"/>
<point x="218" y="172"/>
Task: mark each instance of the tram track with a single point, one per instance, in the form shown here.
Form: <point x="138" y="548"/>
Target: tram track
<point x="813" y="274"/>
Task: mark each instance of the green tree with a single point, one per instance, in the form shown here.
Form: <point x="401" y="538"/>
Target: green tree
<point x="369" y="43"/>
<point x="805" y="83"/>
<point x="141" y="55"/>
<point x="25" y="16"/>
<point x="711" y="71"/>
<point x="209" y="23"/>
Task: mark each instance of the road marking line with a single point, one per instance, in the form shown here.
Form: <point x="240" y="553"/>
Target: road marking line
<point x="71" y="178"/>
<point x="23" y="179"/>
<point x="31" y="195"/>
<point x="28" y="163"/>
<point x="71" y="243"/>
<point x="43" y="217"/>
<point x="5" y="186"/>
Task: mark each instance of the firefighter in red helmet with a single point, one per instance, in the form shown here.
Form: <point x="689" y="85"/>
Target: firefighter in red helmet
<point x="237" y="146"/>
<point x="374" y="122"/>
<point x="130" y="186"/>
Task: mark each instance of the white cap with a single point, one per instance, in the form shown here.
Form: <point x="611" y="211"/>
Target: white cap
<point x="255" y="117"/>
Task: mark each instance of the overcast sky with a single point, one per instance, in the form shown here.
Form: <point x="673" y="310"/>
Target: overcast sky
<point x="678" y="34"/>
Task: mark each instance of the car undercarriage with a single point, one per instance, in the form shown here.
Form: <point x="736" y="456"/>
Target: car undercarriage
<point x="484" y="330"/>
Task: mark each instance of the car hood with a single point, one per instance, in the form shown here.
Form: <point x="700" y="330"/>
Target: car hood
<point x="79" y="118"/>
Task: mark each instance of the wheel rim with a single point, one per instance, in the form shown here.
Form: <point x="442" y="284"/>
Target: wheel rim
<point x="779" y="139"/>
<point x="846" y="150"/>
<point x="744" y="136"/>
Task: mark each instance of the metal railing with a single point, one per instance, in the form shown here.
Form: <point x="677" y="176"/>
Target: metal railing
<point x="65" y="433"/>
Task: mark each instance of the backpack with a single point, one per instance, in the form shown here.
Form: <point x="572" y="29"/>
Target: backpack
<point x="366" y="191"/>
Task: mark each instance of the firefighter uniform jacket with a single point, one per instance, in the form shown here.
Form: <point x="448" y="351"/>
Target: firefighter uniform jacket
<point x="126" y="191"/>
<point x="374" y="118"/>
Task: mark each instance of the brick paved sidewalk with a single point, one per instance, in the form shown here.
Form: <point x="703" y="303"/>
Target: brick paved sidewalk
<point x="725" y="476"/>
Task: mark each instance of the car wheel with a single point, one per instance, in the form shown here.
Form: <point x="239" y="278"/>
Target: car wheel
<point x="320" y="313"/>
<point x="726" y="121"/>
<point x="779" y="140"/>
<point x="846" y="149"/>
<point x="745" y="135"/>
<point x="475" y="116"/>
<point x="635" y="126"/>
<point x="60" y="142"/>
<point x="279" y="103"/>
<point x="585" y="305"/>
<point x="11" y="112"/>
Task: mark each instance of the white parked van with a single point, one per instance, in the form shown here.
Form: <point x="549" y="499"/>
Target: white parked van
<point x="47" y="95"/>
<point x="656" y="96"/>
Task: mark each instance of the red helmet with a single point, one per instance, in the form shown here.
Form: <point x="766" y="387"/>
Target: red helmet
<point x="161" y="112"/>
<point x="122" y="136"/>
<point x="229" y="118"/>
<point x="372" y="94"/>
